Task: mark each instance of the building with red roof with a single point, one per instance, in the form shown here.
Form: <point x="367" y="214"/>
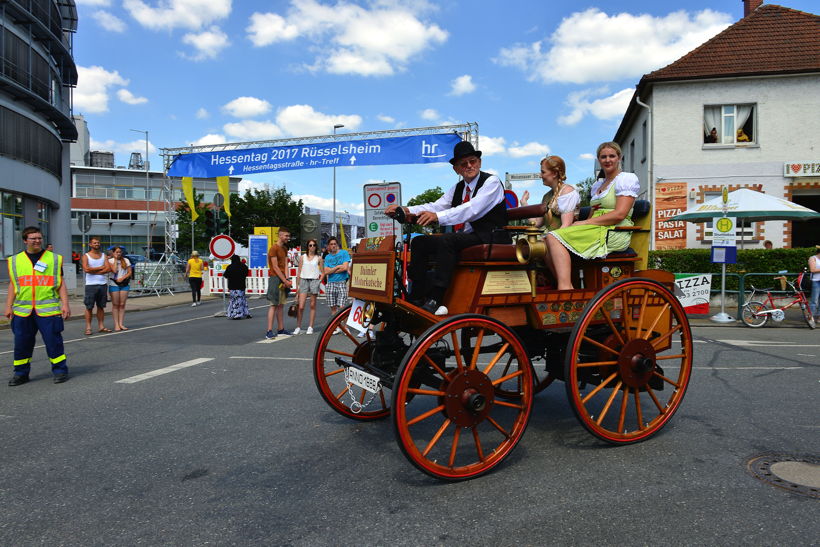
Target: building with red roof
<point x="740" y="110"/>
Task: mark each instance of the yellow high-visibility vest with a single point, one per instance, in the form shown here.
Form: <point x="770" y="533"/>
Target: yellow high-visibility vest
<point x="36" y="291"/>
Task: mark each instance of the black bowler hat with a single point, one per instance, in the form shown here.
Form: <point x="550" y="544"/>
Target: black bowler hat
<point x="464" y="149"/>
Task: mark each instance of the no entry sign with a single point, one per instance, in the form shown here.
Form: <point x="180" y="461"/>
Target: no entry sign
<point x="222" y="247"/>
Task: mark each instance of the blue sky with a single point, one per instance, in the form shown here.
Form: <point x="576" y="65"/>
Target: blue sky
<point x="538" y="77"/>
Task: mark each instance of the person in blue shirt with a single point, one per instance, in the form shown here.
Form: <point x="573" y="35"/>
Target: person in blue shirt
<point x="336" y="271"/>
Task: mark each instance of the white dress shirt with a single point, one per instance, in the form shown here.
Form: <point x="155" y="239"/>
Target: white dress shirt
<point x="488" y="196"/>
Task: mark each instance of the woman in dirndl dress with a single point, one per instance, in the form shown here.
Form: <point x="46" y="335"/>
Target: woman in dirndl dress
<point x="237" y="273"/>
<point x="612" y="198"/>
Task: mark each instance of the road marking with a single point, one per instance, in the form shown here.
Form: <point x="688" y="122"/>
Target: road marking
<point x="272" y="340"/>
<point x="766" y="343"/>
<point x="166" y="370"/>
<point x="747" y="368"/>
<point x="272" y="358"/>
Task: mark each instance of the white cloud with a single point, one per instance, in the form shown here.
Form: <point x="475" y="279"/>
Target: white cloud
<point x="606" y="108"/>
<point x="247" y="107"/>
<point x="252" y="130"/>
<point x="170" y="14"/>
<point x="586" y="156"/>
<point x="302" y="120"/>
<point x="209" y="139"/>
<point x="94" y="2"/>
<point x="129" y="98"/>
<point x="462" y="85"/>
<point x="492" y="146"/>
<point x="529" y="149"/>
<point x="593" y="46"/>
<point x="207" y="43"/>
<point x="91" y="94"/>
<point x="109" y="21"/>
<point x="430" y="114"/>
<point x="386" y="119"/>
<point x="377" y="40"/>
<point x="202" y="114"/>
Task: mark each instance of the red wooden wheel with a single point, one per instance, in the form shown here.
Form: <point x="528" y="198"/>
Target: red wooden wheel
<point x="628" y="361"/>
<point x="449" y="421"/>
<point x="330" y="377"/>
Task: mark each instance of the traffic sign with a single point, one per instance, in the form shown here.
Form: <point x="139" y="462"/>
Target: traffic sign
<point x="511" y="199"/>
<point x="84" y="221"/>
<point x="222" y="247"/>
<point x="377" y="197"/>
<point x="219" y="200"/>
<point x="724" y="232"/>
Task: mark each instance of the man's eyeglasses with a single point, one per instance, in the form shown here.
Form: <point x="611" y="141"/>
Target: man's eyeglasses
<point x="468" y="162"/>
<point x="35" y="238"/>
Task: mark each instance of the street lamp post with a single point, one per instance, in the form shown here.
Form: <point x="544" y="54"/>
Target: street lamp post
<point x="333" y="222"/>
<point x="147" y="198"/>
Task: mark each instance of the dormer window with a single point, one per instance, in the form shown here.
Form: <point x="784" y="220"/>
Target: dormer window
<point x="729" y="124"/>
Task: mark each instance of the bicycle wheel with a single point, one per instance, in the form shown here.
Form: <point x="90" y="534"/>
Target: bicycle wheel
<point x="808" y="316"/>
<point x="752" y="314"/>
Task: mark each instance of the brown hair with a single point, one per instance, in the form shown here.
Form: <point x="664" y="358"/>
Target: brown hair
<point x="315" y="247"/>
<point x="31" y="230"/>
<point x="123" y="263"/>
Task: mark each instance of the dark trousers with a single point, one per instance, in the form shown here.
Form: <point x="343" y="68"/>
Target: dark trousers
<point x="25" y="330"/>
<point x="196" y="288"/>
<point x="444" y="250"/>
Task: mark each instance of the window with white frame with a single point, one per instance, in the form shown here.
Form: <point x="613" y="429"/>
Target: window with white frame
<point x="729" y="124"/>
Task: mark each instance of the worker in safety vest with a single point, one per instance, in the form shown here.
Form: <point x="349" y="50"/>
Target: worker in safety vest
<point x="37" y="300"/>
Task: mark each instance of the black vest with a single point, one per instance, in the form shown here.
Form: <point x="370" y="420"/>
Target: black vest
<point x="495" y="218"/>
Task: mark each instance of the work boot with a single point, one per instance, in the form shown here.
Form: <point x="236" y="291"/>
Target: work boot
<point x="18" y="380"/>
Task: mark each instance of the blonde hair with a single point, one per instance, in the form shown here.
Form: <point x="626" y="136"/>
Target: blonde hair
<point x="556" y="165"/>
<point x="614" y="145"/>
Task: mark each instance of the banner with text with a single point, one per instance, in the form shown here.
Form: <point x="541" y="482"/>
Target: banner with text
<point x="249" y="161"/>
<point x="670" y="200"/>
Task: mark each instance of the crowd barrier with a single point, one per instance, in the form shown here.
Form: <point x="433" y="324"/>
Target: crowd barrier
<point x="256" y="283"/>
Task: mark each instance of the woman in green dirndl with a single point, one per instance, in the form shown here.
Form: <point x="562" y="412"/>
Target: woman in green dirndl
<point x="612" y="198"/>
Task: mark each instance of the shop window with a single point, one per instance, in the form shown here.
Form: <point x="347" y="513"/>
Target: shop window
<point x="732" y="124"/>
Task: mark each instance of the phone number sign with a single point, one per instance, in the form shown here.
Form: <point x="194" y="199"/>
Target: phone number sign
<point x="378" y="197"/>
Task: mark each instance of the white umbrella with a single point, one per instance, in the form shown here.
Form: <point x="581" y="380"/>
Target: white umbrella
<point x="748" y="204"/>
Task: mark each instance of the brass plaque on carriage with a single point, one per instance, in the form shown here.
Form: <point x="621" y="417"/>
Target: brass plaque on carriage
<point x="371" y="276"/>
<point x="506" y="282"/>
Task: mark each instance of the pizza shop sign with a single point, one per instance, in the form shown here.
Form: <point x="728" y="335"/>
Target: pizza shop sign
<point x="805" y="169"/>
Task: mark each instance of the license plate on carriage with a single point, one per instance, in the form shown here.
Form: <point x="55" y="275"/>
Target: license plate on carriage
<point x="363" y="379"/>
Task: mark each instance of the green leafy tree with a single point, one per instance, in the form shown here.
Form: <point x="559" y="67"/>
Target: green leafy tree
<point x="264" y="208"/>
<point x="584" y="189"/>
<point x="428" y="196"/>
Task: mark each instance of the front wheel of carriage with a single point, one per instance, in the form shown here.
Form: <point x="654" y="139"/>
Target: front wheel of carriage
<point x="628" y="361"/>
<point x="339" y="340"/>
<point x="448" y="417"/>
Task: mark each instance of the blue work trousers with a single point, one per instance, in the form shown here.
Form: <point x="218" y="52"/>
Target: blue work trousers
<point x="25" y="330"/>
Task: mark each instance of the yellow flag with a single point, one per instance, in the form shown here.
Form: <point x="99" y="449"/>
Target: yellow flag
<point x="188" y="190"/>
<point x="223" y="185"/>
<point x="342" y="234"/>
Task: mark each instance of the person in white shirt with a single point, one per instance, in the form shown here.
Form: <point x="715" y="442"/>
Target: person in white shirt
<point x="814" y="299"/>
<point x="474" y="207"/>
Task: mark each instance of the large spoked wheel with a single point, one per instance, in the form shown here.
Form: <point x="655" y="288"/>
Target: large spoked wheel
<point x="752" y="314"/>
<point x="628" y="361"/>
<point x="330" y="377"/>
<point x="448" y="418"/>
<point x="808" y="316"/>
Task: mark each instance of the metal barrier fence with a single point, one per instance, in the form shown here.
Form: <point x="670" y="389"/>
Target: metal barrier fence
<point x="155" y="278"/>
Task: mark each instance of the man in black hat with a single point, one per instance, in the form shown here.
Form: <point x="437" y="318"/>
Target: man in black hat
<point x="474" y="207"/>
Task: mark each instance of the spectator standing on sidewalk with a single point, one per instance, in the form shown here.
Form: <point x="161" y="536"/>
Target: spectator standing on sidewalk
<point x="194" y="270"/>
<point x="814" y="299"/>
<point x="237" y="274"/>
<point x="278" y="283"/>
<point x="119" y="280"/>
<point x="95" y="267"/>
<point x="37" y="300"/>
<point x="307" y="282"/>
<point x="337" y="265"/>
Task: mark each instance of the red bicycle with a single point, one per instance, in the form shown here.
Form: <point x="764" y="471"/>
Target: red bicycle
<point x="756" y="313"/>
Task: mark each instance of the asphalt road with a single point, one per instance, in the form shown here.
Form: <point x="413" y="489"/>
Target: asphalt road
<point x="236" y="447"/>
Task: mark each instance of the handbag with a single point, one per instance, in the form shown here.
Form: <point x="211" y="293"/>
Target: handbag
<point x="292" y="310"/>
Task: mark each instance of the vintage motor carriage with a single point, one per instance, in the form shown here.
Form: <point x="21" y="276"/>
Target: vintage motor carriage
<point x="459" y="389"/>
